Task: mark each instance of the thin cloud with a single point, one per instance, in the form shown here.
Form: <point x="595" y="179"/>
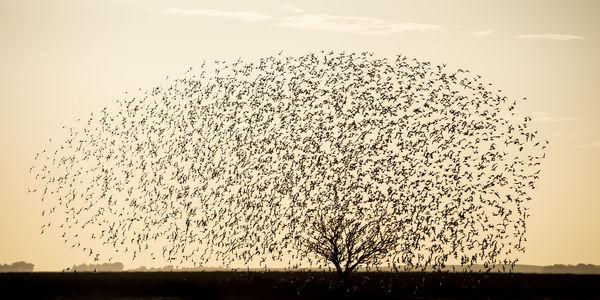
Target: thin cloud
<point x="246" y="16"/>
<point x="291" y="8"/>
<point x="555" y="120"/>
<point x="482" y="32"/>
<point x="121" y="1"/>
<point x="587" y="145"/>
<point x="550" y="37"/>
<point x="542" y="116"/>
<point x="359" y="25"/>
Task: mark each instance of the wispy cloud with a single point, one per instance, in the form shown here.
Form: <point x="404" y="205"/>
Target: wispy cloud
<point x="587" y="145"/>
<point x="542" y="116"/>
<point x="121" y="1"/>
<point x="553" y="119"/>
<point x="482" y="32"/>
<point x="246" y="16"/>
<point x="322" y="22"/>
<point x="550" y="37"/>
<point x="359" y="25"/>
<point x="291" y="8"/>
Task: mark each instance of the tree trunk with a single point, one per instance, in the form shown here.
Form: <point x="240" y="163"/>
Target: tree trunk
<point x="346" y="274"/>
<point x="342" y="273"/>
<point x="339" y="270"/>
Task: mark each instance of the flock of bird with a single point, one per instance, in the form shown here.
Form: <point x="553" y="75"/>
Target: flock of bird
<point x="233" y="161"/>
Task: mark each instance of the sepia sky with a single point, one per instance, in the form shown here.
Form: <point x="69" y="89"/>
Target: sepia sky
<point x="61" y="60"/>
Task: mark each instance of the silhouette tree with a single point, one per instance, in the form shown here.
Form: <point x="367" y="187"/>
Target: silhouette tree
<point x="348" y="243"/>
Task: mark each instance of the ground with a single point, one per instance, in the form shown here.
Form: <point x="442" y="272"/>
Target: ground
<point x="296" y="285"/>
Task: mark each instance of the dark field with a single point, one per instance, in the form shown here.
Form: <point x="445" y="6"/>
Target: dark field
<point x="296" y="285"/>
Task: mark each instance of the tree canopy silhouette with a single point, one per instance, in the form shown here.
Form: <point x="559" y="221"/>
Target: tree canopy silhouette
<point x="237" y="163"/>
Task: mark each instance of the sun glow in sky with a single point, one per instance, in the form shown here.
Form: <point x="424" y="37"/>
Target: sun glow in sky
<point x="62" y="60"/>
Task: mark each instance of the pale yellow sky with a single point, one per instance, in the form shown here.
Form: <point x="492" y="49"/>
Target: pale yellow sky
<point x="62" y="60"/>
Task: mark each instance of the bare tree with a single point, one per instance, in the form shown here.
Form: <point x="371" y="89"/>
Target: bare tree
<point x="348" y="242"/>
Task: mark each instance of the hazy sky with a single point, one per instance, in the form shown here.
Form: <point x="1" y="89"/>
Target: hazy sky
<point x="61" y="60"/>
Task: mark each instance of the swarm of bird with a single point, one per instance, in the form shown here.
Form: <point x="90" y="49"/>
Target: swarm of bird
<point x="232" y="162"/>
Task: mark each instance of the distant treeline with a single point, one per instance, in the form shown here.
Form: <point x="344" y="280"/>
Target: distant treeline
<point x="22" y="266"/>
<point x="152" y="269"/>
<point x="554" y="269"/>
<point x="114" y="267"/>
<point x="19" y="266"/>
<point x="573" y="269"/>
<point x="118" y="267"/>
<point x="174" y="269"/>
<point x="558" y="269"/>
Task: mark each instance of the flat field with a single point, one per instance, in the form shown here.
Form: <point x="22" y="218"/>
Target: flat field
<point x="296" y="285"/>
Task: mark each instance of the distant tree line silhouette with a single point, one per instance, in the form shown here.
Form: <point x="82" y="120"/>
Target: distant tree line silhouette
<point x="553" y="269"/>
<point x="106" y="267"/>
<point x="19" y="266"/>
<point x="171" y="268"/>
<point x="574" y="269"/>
<point x="119" y="267"/>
